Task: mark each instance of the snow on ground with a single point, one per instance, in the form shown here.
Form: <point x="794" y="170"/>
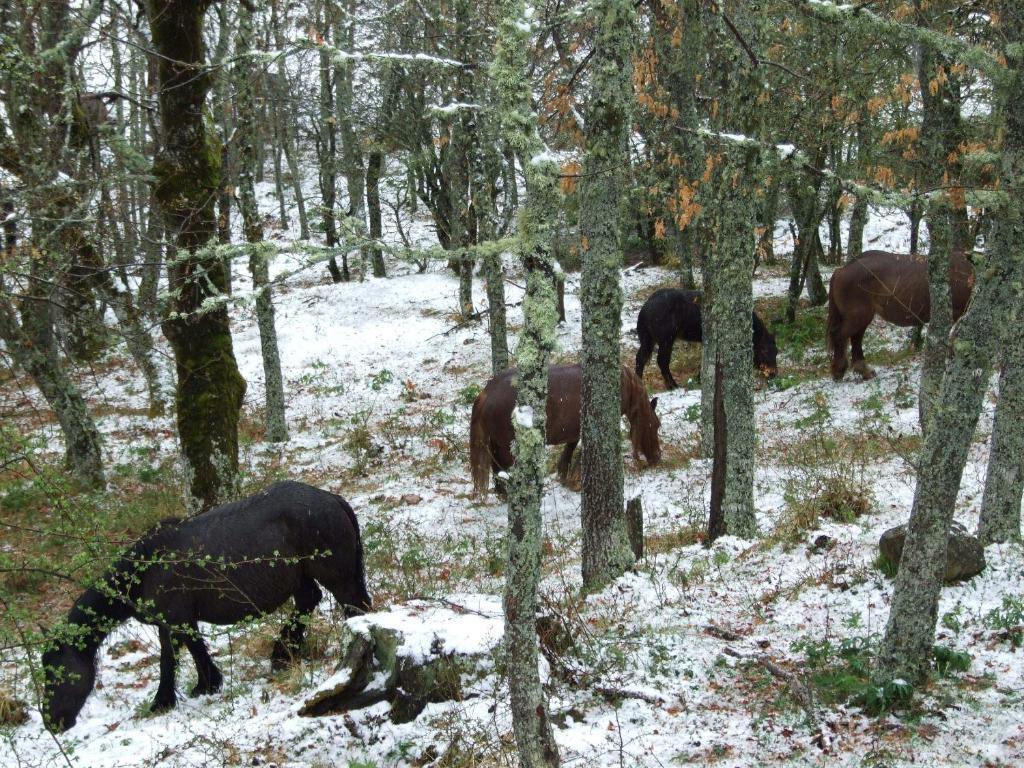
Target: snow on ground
<point x="390" y="356"/>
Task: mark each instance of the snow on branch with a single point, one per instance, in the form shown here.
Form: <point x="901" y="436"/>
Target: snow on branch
<point x="340" y="57"/>
<point x="452" y="108"/>
<point x="979" y="198"/>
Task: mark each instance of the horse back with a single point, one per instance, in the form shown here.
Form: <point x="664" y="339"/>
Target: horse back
<point x="895" y="286"/>
<point x="247" y="557"/>
<point x="671" y="313"/>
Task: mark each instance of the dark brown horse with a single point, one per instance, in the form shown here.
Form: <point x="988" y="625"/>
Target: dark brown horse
<point x="892" y="285"/>
<point x="491" y="431"/>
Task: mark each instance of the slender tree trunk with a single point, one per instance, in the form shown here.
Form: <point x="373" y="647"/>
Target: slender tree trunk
<point x="328" y="142"/>
<point x="458" y="159"/>
<point x="81" y="438"/>
<point x="858" y="220"/>
<point x="915" y="215"/>
<point x="766" y="213"/>
<point x="1004" y="479"/>
<point x="606" y="550"/>
<point x="493" y="270"/>
<point x="997" y="305"/>
<point x="374" y="169"/>
<point x="729" y="270"/>
<point x="187" y="170"/>
<point x="530" y="722"/>
<point x="352" y="154"/>
<point x="679" y="32"/>
<point x="277" y="429"/>
<point x="936" y="347"/>
<point x="941" y="133"/>
<point x="283" y="111"/>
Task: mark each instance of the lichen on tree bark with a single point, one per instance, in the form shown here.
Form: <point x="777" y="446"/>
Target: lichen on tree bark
<point x="606" y="550"/>
<point x="187" y="173"/>
<point x="910" y="632"/>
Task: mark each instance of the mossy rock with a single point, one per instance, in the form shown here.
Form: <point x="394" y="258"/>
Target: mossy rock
<point x="410" y="682"/>
<point x="965" y="557"/>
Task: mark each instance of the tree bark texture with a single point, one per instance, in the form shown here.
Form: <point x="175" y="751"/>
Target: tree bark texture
<point x="328" y="151"/>
<point x="936" y="346"/>
<point x="941" y="134"/>
<point x="374" y="169"/>
<point x="187" y="172"/>
<point x="729" y="270"/>
<point x="1004" y="478"/>
<point x="606" y="550"/>
<point x="530" y="722"/>
<point x="259" y="267"/>
<point x="491" y="265"/>
<point x="910" y="632"/>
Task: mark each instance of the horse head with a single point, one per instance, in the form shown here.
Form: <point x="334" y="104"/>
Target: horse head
<point x="69" y="673"/>
<point x="643" y="419"/>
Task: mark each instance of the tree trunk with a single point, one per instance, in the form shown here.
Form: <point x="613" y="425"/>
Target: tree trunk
<point x="678" y="33"/>
<point x="910" y="632"/>
<point x="729" y="270"/>
<point x="606" y="550"/>
<point x="1004" y="479"/>
<point x="352" y="154"/>
<point x="374" y="168"/>
<point x="493" y="270"/>
<point x="767" y="212"/>
<point x="858" y="220"/>
<point x="719" y="459"/>
<point x="187" y="170"/>
<point x="40" y="361"/>
<point x="328" y="150"/>
<point x="276" y="426"/>
<point x="283" y="112"/>
<point x="940" y="137"/>
<point x="936" y="346"/>
<point x="530" y="722"/>
<point x="915" y="214"/>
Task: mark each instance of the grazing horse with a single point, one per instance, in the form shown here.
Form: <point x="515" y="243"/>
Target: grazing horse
<point x="491" y="431"/>
<point x="892" y="285"/>
<point x="233" y="562"/>
<point x="672" y="313"/>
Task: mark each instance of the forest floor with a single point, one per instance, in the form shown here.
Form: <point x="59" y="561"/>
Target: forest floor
<point x="665" y="666"/>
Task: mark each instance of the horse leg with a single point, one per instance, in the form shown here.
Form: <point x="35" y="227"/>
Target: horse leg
<point x="210" y="678"/>
<point x="501" y="460"/>
<point x="664" y="358"/>
<point x="166" y="698"/>
<point x="566" y="460"/>
<point x="857" y="353"/>
<point x="288" y="645"/>
<point x="643" y="355"/>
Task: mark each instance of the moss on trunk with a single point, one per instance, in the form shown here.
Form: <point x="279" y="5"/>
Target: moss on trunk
<point x="187" y="172"/>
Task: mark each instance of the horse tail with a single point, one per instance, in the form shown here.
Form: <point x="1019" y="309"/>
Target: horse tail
<point x="479" y="455"/>
<point x="833" y="323"/>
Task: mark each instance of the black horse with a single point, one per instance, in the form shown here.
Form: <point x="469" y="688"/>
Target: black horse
<point x="670" y="314"/>
<point x="237" y="561"/>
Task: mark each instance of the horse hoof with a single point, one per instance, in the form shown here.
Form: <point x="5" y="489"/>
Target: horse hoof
<point x="206" y="690"/>
<point x="163" y="704"/>
<point x="868" y="374"/>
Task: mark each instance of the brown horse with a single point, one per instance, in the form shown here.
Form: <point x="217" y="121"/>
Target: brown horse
<point x="892" y="285"/>
<point x="491" y="431"/>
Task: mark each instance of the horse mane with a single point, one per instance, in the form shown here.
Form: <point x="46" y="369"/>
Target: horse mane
<point x="634" y="396"/>
<point x="361" y="572"/>
<point x="111" y="597"/>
